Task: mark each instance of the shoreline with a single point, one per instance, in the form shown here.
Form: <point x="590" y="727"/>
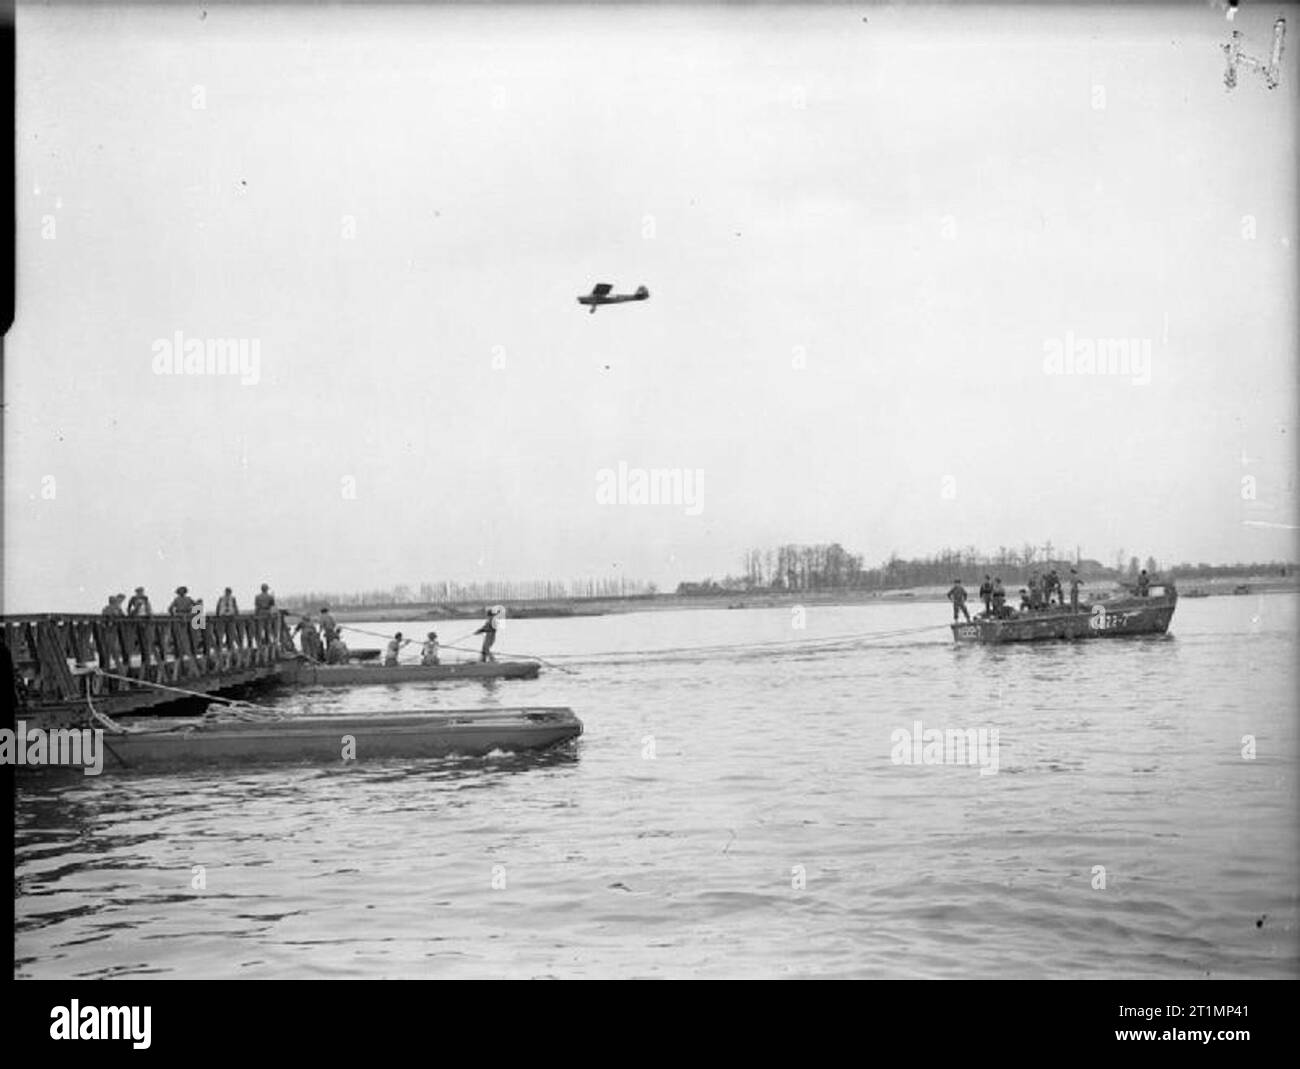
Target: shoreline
<point x="572" y="608"/>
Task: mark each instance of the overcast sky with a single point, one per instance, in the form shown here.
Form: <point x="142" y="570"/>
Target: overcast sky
<point x="864" y="231"/>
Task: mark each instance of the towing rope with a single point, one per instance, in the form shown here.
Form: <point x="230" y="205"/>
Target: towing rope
<point x="164" y="686"/>
<point x="811" y="644"/>
<point x="515" y="657"/>
<point x="219" y="708"/>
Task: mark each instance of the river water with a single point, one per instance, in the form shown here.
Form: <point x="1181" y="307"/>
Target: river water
<point x="741" y="812"/>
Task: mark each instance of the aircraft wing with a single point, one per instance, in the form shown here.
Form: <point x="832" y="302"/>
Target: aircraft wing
<point x="601" y="289"/>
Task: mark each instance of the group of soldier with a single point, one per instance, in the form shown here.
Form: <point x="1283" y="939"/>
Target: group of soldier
<point x="1033" y="598"/>
<point x="428" y="652"/>
<point x="321" y="637"/>
<point x="324" y="643"/>
<point x="184" y="605"/>
<point x="1042" y="588"/>
<point x="320" y="643"/>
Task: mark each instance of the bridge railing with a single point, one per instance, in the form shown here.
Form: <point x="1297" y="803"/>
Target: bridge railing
<point x="55" y="656"/>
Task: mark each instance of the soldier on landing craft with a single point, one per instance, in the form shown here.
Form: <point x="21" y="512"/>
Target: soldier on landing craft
<point x="986" y="593"/>
<point x="1075" y="583"/>
<point x="999" y="598"/>
<point x="1054" y="586"/>
<point x="957" y="595"/>
<point x="1035" y="591"/>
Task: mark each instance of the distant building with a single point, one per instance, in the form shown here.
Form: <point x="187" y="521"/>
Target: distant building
<point x="699" y="589"/>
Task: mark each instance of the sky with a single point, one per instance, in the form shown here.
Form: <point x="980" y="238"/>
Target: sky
<point x="865" y="230"/>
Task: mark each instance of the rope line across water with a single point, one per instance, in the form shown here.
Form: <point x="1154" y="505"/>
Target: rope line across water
<point x="812" y="643"/>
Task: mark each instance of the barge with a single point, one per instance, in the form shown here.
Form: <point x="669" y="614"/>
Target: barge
<point x="308" y="674"/>
<point x="181" y="742"/>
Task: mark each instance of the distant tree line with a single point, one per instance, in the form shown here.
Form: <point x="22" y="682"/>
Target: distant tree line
<point x="452" y="593"/>
<point x="827" y="567"/>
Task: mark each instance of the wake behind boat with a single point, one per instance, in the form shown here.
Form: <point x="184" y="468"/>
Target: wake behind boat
<point x="307" y="673"/>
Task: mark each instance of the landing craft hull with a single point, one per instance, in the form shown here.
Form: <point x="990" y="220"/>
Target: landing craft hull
<point x="172" y="743"/>
<point x="1122" y="618"/>
<point x="354" y="675"/>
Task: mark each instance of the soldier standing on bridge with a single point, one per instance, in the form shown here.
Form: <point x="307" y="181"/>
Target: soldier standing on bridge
<point x="226" y="604"/>
<point x="139" y="604"/>
<point x="114" y="606"/>
<point x="182" y="604"/>
<point x="264" y="603"/>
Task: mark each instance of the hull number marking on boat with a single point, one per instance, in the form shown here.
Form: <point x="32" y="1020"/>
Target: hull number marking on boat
<point x="1108" y="621"/>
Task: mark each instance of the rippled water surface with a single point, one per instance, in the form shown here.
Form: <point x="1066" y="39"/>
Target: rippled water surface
<point x="735" y="813"/>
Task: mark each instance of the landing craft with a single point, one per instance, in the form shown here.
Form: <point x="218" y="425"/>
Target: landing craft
<point x="600" y="295"/>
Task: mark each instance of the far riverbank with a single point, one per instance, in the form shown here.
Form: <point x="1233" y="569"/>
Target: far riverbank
<point x="574" y="607"/>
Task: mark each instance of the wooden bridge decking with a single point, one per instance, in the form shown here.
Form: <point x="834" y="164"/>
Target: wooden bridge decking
<point x="58" y="658"/>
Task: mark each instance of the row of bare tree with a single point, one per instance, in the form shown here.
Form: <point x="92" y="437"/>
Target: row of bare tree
<point x="831" y="567"/>
<point x="451" y="593"/>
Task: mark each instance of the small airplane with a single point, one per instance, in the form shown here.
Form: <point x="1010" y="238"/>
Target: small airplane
<point x="600" y="295"/>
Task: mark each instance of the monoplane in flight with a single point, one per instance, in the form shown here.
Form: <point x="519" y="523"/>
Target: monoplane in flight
<point x="600" y="295"/>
